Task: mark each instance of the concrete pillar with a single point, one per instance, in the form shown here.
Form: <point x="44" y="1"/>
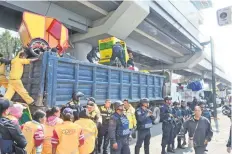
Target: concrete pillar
<point x="81" y="50"/>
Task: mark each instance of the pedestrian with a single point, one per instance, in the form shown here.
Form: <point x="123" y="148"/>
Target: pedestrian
<point x="130" y="114"/>
<point x="11" y="137"/>
<point x="94" y="112"/>
<point x="144" y="119"/>
<point x="167" y="125"/>
<point x="74" y="104"/>
<point x="15" y="83"/>
<point x="119" y="131"/>
<point x="52" y="119"/>
<point x="16" y="112"/>
<point x="228" y="145"/>
<point x="185" y="114"/>
<point x="67" y="137"/>
<point x="205" y="112"/>
<point x="34" y="132"/>
<point x="90" y="132"/>
<point x="176" y="111"/>
<point x="106" y="113"/>
<point x="3" y="63"/>
<point x="199" y="130"/>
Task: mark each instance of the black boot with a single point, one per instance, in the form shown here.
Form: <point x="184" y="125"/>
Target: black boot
<point x="146" y="150"/>
<point x="137" y="150"/>
<point x="179" y="144"/>
<point x="163" y="150"/>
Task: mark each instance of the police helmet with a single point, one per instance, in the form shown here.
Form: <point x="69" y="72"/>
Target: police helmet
<point x="91" y="99"/>
<point x="167" y="98"/>
<point x="78" y="94"/>
<point x="117" y="104"/>
<point x="176" y="103"/>
<point x="144" y="100"/>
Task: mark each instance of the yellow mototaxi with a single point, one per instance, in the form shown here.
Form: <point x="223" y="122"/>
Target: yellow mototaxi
<point x="105" y="49"/>
<point x="37" y="31"/>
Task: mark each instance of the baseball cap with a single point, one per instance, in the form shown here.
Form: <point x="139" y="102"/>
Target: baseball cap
<point x="90" y="103"/>
<point x="144" y="100"/>
<point x="167" y="98"/>
<point x="5" y="103"/>
<point x="68" y="111"/>
<point x="117" y="104"/>
<point x="91" y="99"/>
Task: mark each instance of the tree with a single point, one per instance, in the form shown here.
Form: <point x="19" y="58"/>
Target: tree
<point x="9" y="45"/>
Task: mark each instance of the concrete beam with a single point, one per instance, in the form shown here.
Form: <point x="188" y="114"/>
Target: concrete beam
<point x="120" y="23"/>
<point x="94" y="7"/>
<point x="71" y="19"/>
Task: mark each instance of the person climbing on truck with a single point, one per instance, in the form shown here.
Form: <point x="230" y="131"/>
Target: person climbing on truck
<point x="93" y="55"/>
<point x="3" y="63"/>
<point x="15" y="83"/>
<point x="117" y="52"/>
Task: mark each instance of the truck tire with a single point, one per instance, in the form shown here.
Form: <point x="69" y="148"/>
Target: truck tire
<point x="36" y="46"/>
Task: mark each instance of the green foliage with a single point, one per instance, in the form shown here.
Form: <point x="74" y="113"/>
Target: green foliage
<point x="9" y="45"/>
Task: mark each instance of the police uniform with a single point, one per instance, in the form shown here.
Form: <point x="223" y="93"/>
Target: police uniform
<point x="117" y="52"/>
<point x="103" y="130"/>
<point x="144" y="123"/>
<point x="119" y="132"/>
<point x="167" y="127"/>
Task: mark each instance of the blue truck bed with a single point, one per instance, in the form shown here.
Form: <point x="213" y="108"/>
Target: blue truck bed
<point x="52" y="80"/>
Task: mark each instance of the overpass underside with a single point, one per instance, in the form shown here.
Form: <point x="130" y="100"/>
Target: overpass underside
<point x="161" y="34"/>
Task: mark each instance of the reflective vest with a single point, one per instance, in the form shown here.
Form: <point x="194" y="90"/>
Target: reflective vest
<point x="147" y="123"/>
<point x="130" y="114"/>
<point x="68" y="134"/>
<point x="123" y="128"/>
<point x="89" y="129"/>
<point x="105" y="114"/>
<point x="2" y="69"/>
<point x="28" y="131"/>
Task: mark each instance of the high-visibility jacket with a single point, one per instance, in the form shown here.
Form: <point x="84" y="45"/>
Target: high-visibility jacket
<point x="89" y="129"/>
<point x="2" y="68"/>
<point x="48" y="132"/>
<point x="66" y="138"/>
<point x="130" y="114"/>
<point x="105" y="114"/>
<point x="17" y="67"/>
<point x="34" y="134"/>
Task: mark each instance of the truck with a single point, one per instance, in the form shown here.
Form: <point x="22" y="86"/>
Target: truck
<point x="52" y="80"/>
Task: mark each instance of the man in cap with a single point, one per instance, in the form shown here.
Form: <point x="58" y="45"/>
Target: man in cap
<point x="167" y="125"/>
<point x="93" y="110"/>
<point x="10" y="133"/>
<point x="106" y="113"/>
<point x="144" y="119"/>
<point x="119" y="131"/>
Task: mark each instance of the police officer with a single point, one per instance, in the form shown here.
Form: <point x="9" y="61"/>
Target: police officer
<point x="144" y="119"/>
<point x="74" y="104"/>
<point x="10" y="133"/>
<point x="167" y="125"/>
<point x="106" y="113"/>
<point x="93" y="111"/>
<point x="178" y="124"/>
<point x="185" y="114"/>
<point x="205" y="112"/>
<point x="118" y="52"/>
<point x="119" y="131"/>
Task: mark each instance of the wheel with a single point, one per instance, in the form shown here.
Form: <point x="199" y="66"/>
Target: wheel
<point x="36" y="46"/>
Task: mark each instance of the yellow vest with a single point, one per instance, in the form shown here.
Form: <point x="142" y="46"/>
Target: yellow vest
<point x="48" y="133"/>
<point x="28" y="131"/>
<point x="68" y="134"/>
<point x="89" y="129"/>
<point x="130" y="114"/>
<point x="17" y="67"/>
<point x="2" y="69"/>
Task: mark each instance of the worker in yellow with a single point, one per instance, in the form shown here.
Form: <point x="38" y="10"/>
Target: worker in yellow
<point x="3" y="63"/>
<point x="67" y="137"/>
<point x="94" y="111"/>
<point x="53" y="119"/>
<point x="130" y="114"/>
<point x="34" y="132"/>
<point x="15" y="83"/>
<point x="89" y="129"/>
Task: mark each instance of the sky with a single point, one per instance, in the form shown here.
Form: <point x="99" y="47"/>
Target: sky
<point x="222" y="35"/>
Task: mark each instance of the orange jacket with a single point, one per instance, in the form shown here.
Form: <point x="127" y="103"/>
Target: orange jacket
<point x="34" y="134"/>
<point x="48" y="132"/>
<point x="90" y="132"/>
<point x="66" y="138"/>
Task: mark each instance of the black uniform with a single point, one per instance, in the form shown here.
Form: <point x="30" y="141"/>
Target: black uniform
<point x="103" y="129"/>
<point x="167" y="127"/>
<point x="10" y="136"/>
<point x="118" y="52"/>
<point x="92" y="54"/>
